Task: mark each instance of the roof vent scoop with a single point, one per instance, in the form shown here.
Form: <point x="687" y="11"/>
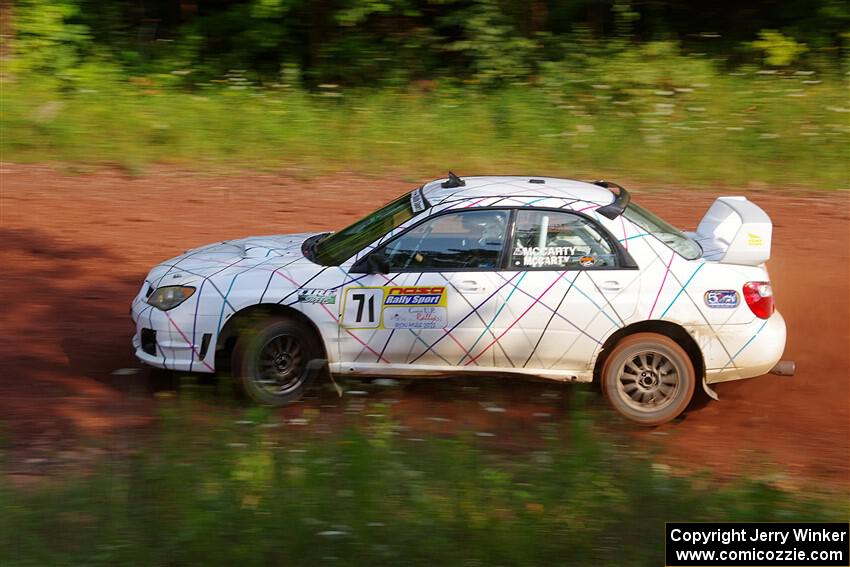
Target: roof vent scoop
<point x="452" y="182"/>
<point x="621" y="200"/>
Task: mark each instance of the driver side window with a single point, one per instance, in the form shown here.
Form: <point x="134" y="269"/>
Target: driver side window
<point x="467" y="240"/>
<point x="548" y="240"/>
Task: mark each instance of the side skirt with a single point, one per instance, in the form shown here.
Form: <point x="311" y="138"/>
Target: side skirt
<point x="435" y="371"/>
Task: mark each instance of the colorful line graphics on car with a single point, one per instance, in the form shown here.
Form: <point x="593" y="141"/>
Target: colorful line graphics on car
<point x="499" y="274"/>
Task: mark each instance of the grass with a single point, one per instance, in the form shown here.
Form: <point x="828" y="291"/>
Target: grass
<point x="750" y="128"/>
<point x="211" y="491"/>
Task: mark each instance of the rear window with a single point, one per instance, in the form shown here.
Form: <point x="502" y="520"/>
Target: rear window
<point x="663" y="231"/>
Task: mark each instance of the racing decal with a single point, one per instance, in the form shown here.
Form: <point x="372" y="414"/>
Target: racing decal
<point x="317" y="295"/>
<point x="721" y="298"/>
<point x="543" y="256"/>
<point x="586" y="261"/>
<point x="754" y="240"/>
<point x="395" y="307"/>
<point x="417" y="200"/>
<point x="361" y="307"/>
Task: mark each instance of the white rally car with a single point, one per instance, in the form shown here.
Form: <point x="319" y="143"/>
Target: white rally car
<point x="545" y="277"/>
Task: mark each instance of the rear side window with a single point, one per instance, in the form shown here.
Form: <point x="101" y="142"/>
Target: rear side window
<point x="470" y="240"/>
<point x="548" y="240"/>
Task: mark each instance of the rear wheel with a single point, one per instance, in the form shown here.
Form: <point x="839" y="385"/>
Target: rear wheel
<point x="271" y="358"/>
<point x="648" y="378"/>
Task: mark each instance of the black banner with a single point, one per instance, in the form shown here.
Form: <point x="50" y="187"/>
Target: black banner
<point x="758" y="544"/>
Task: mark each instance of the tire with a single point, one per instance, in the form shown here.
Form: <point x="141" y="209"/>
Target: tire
<point x="648" y="378"/>
<point x="270" y="360"/>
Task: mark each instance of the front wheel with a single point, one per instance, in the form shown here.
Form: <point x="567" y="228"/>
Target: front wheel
<point x="271" y="358"/>
<point x="648" y="378"/>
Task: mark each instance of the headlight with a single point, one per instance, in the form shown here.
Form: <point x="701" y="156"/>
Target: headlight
<point x="171" y="296"/>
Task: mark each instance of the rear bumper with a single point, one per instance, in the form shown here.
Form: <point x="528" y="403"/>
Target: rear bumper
<point x="747" y="350"/>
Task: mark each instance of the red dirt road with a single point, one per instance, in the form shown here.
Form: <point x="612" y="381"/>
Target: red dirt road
<point x="76" y="247"/>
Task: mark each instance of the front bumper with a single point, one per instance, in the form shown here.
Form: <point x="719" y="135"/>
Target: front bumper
<point x="174" y="340"/>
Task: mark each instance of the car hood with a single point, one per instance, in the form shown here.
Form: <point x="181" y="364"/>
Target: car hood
<point x="232" y="255"/>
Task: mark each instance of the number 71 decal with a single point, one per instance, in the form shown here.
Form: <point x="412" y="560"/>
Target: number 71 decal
<point x="395" y="307"/>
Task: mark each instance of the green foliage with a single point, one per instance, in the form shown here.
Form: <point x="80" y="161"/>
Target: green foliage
<point x="490" y="43"/>
<point x="356" y="12"/>
<point x="46" y="38"/>
<point x="391" y="42"/>
<point x="414" y="86"/>
<point x="246" y="493"/>
<point x="646" y="115"/>
<point x="779" y="50"/>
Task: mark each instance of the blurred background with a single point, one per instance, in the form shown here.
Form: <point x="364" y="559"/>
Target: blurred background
<point x="416" y="86"/>
<point x="133" y="130"/>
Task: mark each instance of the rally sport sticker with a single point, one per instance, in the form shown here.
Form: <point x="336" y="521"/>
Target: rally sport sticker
<point x="395" y="307"/>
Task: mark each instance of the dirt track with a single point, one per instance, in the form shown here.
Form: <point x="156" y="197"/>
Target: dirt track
<point x="75" y="249"/>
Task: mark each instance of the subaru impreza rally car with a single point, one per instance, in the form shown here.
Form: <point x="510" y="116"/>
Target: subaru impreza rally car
<point x="545" y="277"/>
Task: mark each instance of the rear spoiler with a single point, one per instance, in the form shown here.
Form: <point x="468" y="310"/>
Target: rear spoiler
<point x="735" y="231"/>
<point x="621" y="200"/>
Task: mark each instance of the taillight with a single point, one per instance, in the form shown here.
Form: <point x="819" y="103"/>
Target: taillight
<point x="759" y="296"/>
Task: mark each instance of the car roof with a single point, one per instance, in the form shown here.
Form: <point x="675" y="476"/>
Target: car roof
<point x="482" y="187"/>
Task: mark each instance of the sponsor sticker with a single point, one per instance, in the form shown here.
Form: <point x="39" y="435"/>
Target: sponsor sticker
<point x="415" y="318"/>
<point x="395" y="307"/>
<point x="414" y="295"/>
<point x="586" y="261"/>
<point x="417" y="200"/>
<point x="721" y="298"/>
<point x="317" y="295"/>
<point x="754" y="240"/>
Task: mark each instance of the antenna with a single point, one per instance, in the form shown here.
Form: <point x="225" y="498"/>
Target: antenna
<point x="452" y="182"/>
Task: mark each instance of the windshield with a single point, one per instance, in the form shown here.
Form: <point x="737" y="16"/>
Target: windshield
<point x="663" y="231"/>
<point x="338" y="247"/>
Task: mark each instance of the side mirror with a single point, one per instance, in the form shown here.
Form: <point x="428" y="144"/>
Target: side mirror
<point x="377" y="263"/>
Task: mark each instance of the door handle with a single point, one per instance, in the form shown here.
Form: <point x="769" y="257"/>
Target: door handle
<point x="611" y="286"/>
<point x="470" y="286"/>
